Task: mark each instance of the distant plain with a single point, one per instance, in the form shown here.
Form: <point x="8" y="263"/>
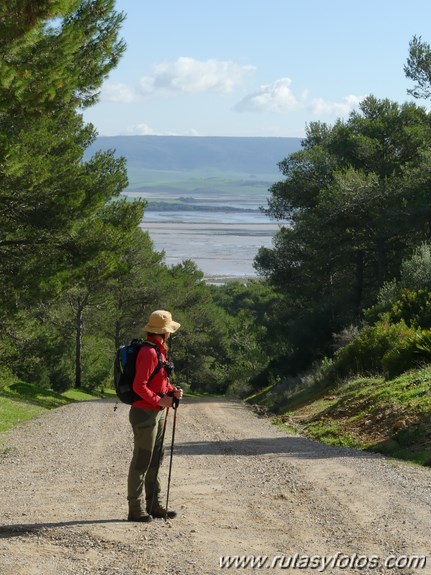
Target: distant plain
<point x="205" y="196"/>
<point x="214" y="221"/>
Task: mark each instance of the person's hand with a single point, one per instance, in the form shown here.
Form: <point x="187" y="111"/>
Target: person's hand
<point x="166" y="401"/>
<point x="178" y="393"/>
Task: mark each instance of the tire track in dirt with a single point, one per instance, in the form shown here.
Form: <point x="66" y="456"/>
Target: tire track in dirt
<point x="241" y="486"/>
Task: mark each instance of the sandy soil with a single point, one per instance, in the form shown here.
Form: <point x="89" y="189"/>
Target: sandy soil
<point x="242" y="487"/>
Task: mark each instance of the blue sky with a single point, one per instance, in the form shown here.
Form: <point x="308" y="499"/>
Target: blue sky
<point x="255" y="67"/>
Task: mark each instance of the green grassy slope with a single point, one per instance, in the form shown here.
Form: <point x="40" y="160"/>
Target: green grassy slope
<point x="391" y="417"/>
<point x="22" y="401"/>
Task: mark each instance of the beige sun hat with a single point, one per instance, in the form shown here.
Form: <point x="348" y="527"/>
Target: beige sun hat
<point x="160" y="321"/>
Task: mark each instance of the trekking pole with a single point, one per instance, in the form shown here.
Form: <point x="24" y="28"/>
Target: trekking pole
<point x="175" y="405"/>
<point x="158" y="462"/>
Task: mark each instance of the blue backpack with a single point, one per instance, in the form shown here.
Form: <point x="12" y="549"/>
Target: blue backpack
<point x="125" y="369"/>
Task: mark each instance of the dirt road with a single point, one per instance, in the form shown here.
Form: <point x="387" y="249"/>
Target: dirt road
<point x="241" y="486"/>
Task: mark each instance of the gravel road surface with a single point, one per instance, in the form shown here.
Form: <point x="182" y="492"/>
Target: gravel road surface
<point x="250" y="498"/>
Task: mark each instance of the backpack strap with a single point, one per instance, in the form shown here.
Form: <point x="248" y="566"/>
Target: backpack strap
<point x="158" y="367"/>
<point x="160" y="363"/>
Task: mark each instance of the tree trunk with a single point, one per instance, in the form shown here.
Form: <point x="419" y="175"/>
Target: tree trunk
<point x="78" y="345"/>
<point x="381" y="262"/>
<point x="359" y="283"/>
<point x="187" y="370"/>
<point x="117" y="337"/>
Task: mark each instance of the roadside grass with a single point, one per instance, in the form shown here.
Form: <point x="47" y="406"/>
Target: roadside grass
<point x="13" y="412"/>
<point x="392" y="417"/>
<point x="21" y="401"/>
<point x="202" y="394"/>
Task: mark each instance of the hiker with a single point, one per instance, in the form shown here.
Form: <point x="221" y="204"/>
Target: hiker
<point x="147" y="417"/>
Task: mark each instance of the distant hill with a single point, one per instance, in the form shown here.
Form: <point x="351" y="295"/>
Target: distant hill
<point x="186" y="153"/>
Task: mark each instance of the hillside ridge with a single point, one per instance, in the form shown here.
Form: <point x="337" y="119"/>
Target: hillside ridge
<point x="252" y="155"/>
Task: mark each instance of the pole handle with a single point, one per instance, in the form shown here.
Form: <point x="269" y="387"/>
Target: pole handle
<point x="175" y="400"/>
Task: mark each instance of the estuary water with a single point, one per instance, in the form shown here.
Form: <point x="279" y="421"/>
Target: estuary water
<point x="221" y="241"/>
<point x="204" y="195"/>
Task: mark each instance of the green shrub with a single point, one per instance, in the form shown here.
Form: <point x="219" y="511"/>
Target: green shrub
<point x="409" y="297"/>
<point x="423" y="343"/>
<point x="62" y="374"/>
<point x="97" y="362"/>
<point x="413" y="307"/>
<point x="400" y="358"/>
<point x="416" y="271"/>
<point x="386" y="297"/>
<point x="364" y="355"/>
<point x="7" y="377"/>
<point x="408" y="353"/>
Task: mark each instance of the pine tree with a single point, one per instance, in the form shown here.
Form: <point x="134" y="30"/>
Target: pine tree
<point x="62" y="227"/>
<point x="55" y="55"/>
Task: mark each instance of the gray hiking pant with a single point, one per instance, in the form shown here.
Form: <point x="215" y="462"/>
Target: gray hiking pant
<point x="147" y="428"/>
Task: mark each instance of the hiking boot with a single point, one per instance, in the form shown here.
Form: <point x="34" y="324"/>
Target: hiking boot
<point x="141" y="518"/>
<point x="160" y="513"/>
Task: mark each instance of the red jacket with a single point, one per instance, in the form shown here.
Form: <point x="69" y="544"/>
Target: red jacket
<point x="146" y="362"/>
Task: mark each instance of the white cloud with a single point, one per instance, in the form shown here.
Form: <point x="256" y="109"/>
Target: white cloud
<point x="187" y="75"/>
<point x="192" y="132"/>
<point x="146" y="130"/>
<point x="277" y="97"/>
<point x="322" y="107"/>
<point x="141" y="130"/>
<point x="119" y="93"/>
